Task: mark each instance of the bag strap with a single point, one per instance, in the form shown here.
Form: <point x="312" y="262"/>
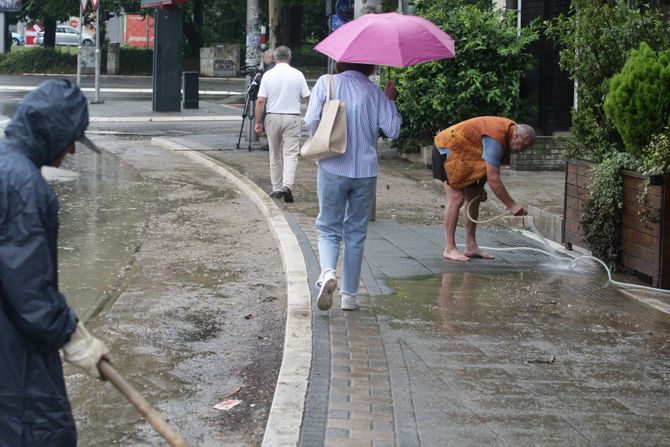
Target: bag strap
<point x="331" y="87"/>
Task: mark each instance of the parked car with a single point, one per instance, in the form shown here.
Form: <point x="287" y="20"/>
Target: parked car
<point x="18" y="39"/>
<point x="67" y="35"/>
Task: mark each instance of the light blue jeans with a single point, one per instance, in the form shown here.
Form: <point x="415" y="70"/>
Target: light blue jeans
<point x="345" y="205"/>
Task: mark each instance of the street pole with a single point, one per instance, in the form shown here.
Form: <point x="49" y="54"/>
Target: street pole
<point x="82" y="7"/>
<point x="329" y="21"/>
<point x="253" y="34"/>
<point x="253" y="46"/>
<point x="97" y="57"/>
<point x="81" y="12"/>
<point x="5" y="37"/>
<point x="361" y="8"/>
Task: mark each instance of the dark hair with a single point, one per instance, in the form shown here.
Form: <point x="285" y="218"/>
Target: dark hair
<point x="366" y="69"/>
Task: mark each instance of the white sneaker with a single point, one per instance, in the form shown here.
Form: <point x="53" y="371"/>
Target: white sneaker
<point x="349" y="302"/>
<point x="328" y="286"/>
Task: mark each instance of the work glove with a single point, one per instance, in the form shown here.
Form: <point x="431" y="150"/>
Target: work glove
<point x="85" y="351"/>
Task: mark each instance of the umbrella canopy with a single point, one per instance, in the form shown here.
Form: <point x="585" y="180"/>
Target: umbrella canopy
<point x="388" y="39"/>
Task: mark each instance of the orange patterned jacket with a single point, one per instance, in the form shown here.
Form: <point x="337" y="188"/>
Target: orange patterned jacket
<point x="464" y="165"/>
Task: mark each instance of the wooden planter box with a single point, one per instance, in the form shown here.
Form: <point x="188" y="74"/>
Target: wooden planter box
<point x="645" y="244"/>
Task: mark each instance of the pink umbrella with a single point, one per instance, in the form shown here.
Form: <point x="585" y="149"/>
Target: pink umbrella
<point x="388" y="39"/>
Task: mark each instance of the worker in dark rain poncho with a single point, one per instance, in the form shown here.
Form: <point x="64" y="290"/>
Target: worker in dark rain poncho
<point x="35" y="320"/>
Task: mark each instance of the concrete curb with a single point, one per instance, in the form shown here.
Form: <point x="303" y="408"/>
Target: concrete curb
<point x="158" y="119"/>
<point x="146" y="91"/>
<point x="285" y="419"/>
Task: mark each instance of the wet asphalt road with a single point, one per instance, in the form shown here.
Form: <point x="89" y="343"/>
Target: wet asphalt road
<point x="177" y="272"/>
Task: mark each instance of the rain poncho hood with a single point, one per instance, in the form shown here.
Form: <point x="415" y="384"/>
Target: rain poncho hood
<point x="47" y="120"/>
<point x="35" y="320"/>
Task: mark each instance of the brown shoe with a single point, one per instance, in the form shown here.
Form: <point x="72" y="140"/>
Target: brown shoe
<point x="288" y="195"/>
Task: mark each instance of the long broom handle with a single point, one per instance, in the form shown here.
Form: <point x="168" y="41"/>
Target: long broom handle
<point x="150" y="414"/>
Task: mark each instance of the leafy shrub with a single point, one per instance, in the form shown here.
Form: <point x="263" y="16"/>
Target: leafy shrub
<point x="483" y="78"/>
<point x="638" y="101"/>
<point x="38" y="60"/>
<point x="306" y="58"/>
<point x="601" y="223"/>
<point x="656" y="156"/>
<point x="136" y="61"/>
<point x="595" y="39"/>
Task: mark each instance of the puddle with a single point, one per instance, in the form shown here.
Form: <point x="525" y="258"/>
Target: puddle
<point x="494" y="359"/>
<point x="462" y="299"/>
<point x="101" y="213"/>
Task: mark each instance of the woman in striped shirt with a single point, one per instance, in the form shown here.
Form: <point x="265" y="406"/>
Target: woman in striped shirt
<point x="347" y="183"/>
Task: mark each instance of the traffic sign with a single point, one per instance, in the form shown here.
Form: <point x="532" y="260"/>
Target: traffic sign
<point x="83" y="4"/>
<point x="94" y="4"/>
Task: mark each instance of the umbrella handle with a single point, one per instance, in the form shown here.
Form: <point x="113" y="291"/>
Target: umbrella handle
<point x="173" y="438"/>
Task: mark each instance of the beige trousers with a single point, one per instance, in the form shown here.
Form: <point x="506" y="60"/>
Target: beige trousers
<point x="283" y="133"/>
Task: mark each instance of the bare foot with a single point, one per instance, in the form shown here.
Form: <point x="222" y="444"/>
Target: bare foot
<point x="477" y="253"/>
<point x="454" y="255"/>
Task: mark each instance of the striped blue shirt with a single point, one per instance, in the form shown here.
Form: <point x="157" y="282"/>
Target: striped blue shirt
<point x="368" y="110"/>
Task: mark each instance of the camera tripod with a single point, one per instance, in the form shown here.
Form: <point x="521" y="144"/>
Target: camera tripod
<point x="249" y="110"/>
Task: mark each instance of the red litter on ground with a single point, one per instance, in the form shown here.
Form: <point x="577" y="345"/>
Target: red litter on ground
<point x="227" y="404"/>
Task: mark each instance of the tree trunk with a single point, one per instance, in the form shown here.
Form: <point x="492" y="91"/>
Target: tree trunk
<point x="193" y="29"/>
<point x="49" y="32"/>
<point x="290" y="26"/>
<point x="274" y="25"/>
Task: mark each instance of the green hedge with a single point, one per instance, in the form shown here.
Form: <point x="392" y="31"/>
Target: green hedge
<point x="38" y="60"/>
<point x="134" y="61"/>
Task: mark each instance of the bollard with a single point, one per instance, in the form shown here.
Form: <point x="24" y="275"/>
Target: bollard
<point x="189" y="88"/>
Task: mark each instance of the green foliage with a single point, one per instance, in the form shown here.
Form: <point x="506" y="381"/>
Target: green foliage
<point x="595" y="39"/>
<point x="483" y="78"/>
<point x="638" y="101"/>
<point x="136" y="61"/>
<point x="656" y="155"/>
<point x="38" y="60"/>
<point x="224" y="21"/>
<point x="601" y="224"/>
<point x="306" y="57"/>
<point x="133" y="61"/>
<point x="58" y="10"/>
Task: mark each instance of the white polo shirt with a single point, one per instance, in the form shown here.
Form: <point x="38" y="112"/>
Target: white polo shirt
<point x="284" y="87"/>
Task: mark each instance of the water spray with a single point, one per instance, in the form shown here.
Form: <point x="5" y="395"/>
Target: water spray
<point x="529" y="221"/>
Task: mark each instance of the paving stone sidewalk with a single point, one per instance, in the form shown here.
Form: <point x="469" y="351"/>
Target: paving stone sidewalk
<point x="508" y="352"/>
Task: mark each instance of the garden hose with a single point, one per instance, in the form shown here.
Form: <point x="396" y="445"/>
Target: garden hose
<point x="551" y="252"/>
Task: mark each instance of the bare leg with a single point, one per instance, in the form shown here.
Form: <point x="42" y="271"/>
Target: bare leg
<point x="472" y="193"/>
<point x="454" y="203"/>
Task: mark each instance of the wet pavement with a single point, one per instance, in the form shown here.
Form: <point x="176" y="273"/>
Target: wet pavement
<point x="175" y="270"/>
<point x="521" y="350"/>
<point x="532" y="358"/>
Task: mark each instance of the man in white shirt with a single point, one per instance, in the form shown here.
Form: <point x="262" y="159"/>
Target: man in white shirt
<point x="281" y="92"/>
